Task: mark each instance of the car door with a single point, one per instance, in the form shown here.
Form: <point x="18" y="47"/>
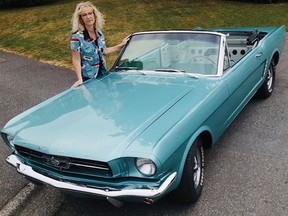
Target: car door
<point x="243" y="80"/>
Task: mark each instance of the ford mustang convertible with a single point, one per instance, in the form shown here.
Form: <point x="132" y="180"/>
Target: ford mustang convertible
<point x="138" y="132"/>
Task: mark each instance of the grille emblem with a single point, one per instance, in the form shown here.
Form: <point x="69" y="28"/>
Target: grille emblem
<point x="61" y="163"/>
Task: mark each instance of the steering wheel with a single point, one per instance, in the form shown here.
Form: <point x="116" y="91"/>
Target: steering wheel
<point x="201" y="57"/>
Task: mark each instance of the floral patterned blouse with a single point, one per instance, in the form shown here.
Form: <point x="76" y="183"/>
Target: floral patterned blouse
<point x="91" y="52"/>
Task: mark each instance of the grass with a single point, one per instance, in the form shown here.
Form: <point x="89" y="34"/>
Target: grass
<point x="43" y="32"/>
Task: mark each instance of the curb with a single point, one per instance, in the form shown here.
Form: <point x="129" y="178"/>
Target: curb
<point x="15" y="204"/>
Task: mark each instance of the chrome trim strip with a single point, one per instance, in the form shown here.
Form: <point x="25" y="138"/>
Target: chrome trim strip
<point x="89" y="166"/>
<point x="145" y="193"/>
<point x="180" y="31"/>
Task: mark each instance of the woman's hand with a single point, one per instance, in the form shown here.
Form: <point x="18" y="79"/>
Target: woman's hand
<point x="125" y="40"/>
<point x="78" y="83"/>
<point x="110" y="50"/>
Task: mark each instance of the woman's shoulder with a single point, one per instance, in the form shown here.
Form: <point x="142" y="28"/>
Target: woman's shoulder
<point x="99" y="33"/>
<point x="77" y="34"/>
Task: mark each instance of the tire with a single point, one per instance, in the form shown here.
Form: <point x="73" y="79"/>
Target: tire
<point x="267" y="87"/>
<point x="191" y="184"/>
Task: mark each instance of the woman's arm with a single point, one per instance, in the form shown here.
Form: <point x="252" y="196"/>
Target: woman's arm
<point x="109" y="50"/>
<point x="76" y="61"/>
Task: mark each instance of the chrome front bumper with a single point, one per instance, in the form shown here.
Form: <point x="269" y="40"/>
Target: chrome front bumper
<point x="145" y="193"/>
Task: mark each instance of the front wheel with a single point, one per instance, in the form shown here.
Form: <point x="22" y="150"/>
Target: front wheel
<point x="267" y="87"/>
<point x="190" y="187"/>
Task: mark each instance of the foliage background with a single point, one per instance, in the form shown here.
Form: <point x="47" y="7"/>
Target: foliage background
<point x="23" y="3"/>
<point x="43" y="32"/>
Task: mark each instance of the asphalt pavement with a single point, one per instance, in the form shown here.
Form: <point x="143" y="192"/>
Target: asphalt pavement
<point x="23" y="84"/>
<point x="246" y="171"/>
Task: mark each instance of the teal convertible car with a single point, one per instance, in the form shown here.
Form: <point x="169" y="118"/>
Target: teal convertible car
<point x="139" y="131"/>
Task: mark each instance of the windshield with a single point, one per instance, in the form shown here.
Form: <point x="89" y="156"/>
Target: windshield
<point x="171" y="52"/>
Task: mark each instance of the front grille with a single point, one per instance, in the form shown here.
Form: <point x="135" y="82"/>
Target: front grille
<point x="74" y="167"/>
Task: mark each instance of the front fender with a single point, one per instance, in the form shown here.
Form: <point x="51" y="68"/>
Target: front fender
<point x="202" y="131"/>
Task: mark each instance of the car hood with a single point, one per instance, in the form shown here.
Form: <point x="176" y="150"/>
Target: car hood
<point x="101" y="118"/>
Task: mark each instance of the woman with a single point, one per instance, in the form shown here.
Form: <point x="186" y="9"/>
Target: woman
<point x="88" y="43"/>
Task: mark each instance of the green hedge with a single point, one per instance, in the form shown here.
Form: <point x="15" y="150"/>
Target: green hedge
<point x="23" y="3"/>
<point x="267" y="1"/>
<point x="263" y="1"/>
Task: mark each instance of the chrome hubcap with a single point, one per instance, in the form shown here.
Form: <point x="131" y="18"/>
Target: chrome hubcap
<point x="269" y="80"/>
<point x="197" y="169"/>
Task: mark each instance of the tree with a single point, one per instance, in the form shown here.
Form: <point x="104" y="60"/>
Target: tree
<point x="21" y="3"/>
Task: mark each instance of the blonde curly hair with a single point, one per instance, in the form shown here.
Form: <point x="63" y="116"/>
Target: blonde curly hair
<point x="77" y="22"/>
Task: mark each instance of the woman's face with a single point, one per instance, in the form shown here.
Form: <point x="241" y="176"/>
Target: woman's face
<point x="87" y="16"/>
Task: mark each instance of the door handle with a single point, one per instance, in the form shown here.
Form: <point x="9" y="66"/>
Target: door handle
<point x="259" y="54"/>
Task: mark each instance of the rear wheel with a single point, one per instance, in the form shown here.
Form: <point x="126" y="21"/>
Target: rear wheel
<point x="190" y="187"/>
<point x="267" y="87"/>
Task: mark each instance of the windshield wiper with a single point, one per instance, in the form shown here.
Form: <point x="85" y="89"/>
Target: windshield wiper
<point x="129" y="68"/>
<point x="170" y="70"/>
<point x="125" y="68"/>
<point x="176" y="71"/>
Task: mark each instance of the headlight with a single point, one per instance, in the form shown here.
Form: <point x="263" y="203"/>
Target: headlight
<point x="145" y="166"/>
<point x="9" y="140"/>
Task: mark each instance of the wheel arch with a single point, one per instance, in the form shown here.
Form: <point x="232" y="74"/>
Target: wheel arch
<point x="207" y="140"/>
<point x="275" y="58"/>
<point x="204" y="134"/>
